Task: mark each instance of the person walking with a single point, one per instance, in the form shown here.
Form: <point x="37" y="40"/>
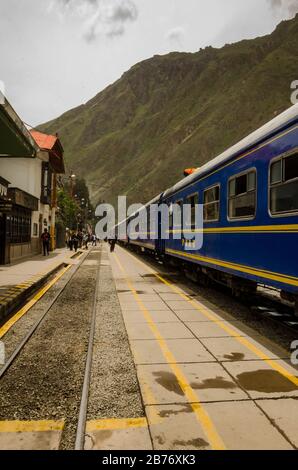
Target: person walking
<point x="80" y="238"/>
<point x="112" y="243"/>
<point x="86" y="240"/>
<point x="45" y="238"/>
<point x="94" y="240"/>
<point x="75" y="241"/>
<point x="70" y="243"/>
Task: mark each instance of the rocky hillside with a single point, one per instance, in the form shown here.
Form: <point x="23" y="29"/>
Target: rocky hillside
<point x="176" y="111"/>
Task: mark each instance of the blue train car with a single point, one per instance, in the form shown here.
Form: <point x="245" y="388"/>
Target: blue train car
<point x="250" y="201"/>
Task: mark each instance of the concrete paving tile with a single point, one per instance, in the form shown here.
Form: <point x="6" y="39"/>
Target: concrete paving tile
<point x="209" y="381"/>
<point x="213" y="330"/>
<point x="180" y="305"/>
<point x="170" y="297"/>
<point x="158" y="316"/>
<point x="176" y="428"/>
<point x="192" y="316"/>
<point x="242" y="426"/>
<point x="229" y="349"/>
<point x="149" y="298"/>
<point x="119" y="439"/>
<point x="184" y="351"/>
<point x="260" y="380"/>
<point x="45" y="440"/>
<point x="163" y="288"/>
<point x="167" y="330"/>
<point x="283" y="413"/>
<point x="129" y="305"/>
<point x="162" y="384"/>
<point x="150" y="306"/>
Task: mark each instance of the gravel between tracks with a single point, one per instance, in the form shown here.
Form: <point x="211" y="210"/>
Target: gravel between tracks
<point x="114" y="391"/>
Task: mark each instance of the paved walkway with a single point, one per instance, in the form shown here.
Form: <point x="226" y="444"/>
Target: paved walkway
<point x="207" y="381"/>
<point x="25" y="270"/>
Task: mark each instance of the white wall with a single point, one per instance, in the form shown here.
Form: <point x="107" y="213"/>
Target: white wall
<point x="23" y="173"/>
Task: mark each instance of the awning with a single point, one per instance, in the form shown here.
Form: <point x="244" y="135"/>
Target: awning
<point x="16" y="140"/>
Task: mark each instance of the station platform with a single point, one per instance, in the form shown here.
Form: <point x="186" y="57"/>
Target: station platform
<point x="207" y="381"/>
<point x="19" y="280"/>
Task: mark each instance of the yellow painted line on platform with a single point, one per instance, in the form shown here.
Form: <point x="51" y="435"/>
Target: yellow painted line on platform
<point x="113" y="424"/>
<point x="224" y="326"/>
<point x="199" y="411"/>
<point x="31" y="426"/>
<point x="8" y="325"/>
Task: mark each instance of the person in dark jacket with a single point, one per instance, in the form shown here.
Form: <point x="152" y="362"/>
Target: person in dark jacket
<point x="112" y="243"/>
<point x="45" y="238"/>
<point x="75" y="241"/>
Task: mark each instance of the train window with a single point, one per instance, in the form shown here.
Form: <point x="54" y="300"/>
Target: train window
<point x="177" y="214"/>
<point x="284" y="185"/>
<point x="171" y="216"/>
<point x="193" y="201"/>
<point x="211" y="204"/>
<point x="242" y="196"/>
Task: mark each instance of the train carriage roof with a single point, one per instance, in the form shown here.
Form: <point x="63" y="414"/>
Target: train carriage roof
<point x="286" y="119"/>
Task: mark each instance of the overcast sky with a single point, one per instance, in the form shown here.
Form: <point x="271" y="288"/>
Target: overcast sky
<point x="57" y="54"/>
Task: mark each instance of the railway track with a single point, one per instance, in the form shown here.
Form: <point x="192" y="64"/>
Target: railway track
<point x="75" y="437"/>
<point x="37" y="324"/>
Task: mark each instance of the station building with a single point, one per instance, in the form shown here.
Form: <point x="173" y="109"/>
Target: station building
<point x="29" y="164"/>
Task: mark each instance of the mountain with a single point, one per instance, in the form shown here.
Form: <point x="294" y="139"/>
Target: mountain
<point x="177" y="111"/>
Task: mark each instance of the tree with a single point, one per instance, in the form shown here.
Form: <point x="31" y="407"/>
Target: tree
<point x="67" y="209"/>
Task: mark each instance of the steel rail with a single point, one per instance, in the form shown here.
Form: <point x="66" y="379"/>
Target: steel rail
<point x="81" y="426"/>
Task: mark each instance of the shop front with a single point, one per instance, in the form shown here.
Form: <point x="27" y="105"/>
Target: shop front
<point x="5" y="210"/>
<point x="16" y="226"/>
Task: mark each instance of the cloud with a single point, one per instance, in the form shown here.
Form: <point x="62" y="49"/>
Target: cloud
<point x="176" y="34"/>
<point x="107" y="18"/>
<point x="290" y="6"/>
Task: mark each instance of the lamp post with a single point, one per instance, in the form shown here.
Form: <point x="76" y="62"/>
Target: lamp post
<point x="72" y="179"/>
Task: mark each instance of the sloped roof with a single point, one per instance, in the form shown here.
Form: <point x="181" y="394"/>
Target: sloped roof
<point x="51" y="144"/>
<point x="44" y="141"/>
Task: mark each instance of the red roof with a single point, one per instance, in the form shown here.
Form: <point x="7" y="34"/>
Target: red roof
<point x="44" y="141"/>
<point x="51" y="144"/>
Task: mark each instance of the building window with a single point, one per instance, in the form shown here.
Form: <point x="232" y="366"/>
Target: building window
<point x="193" y="201"/>
<point x="20" y="225"/>
<point x="211" y="204"/>
<point x="242" y="195"/>
<point x="46" y="183"/>
<point x="284" y="185"/>
<point x="35" y="230"/>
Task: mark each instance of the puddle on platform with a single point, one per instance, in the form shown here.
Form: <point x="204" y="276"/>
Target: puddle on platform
<point x="104" y="435"/>
<point x="129" y="291"/>
<point x="267" y="381"/>
<point x="161" y="440"/>
<point x="234" y="357"/>
<point x="218" y="382"/>
<point x="168" y="381"/>
<point x="168" y="413"/>
<point x="197" y="443"/>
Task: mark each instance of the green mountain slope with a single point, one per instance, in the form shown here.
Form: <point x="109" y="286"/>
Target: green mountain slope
<point x="176" y="111"/>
